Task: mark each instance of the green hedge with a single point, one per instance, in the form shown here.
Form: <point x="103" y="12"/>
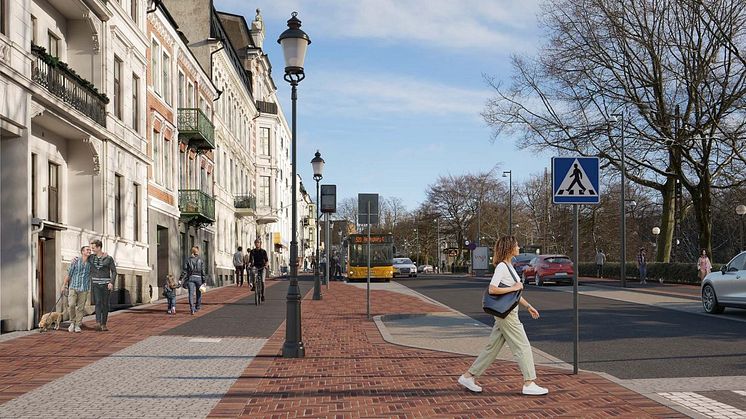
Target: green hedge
<point x="679" y="273"/>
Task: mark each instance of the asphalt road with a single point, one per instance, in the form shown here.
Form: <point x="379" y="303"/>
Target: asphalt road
<point x="623" y="339"/>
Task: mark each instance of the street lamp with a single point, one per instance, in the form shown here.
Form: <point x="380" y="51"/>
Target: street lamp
<point x="318" y="167"/>
<point x="294" y="43"/>
<point x="623" y="273"/>
<point x="656" y="232"/>
<point x="741" y="210"/>
<point x="509" y="175"/>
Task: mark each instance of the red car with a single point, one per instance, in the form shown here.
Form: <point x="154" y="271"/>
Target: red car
<point x="549" y="268"/>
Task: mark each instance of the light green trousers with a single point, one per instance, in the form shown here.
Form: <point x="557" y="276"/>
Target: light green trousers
<point x="510" y="330"/>
<point x="76" y="301"/>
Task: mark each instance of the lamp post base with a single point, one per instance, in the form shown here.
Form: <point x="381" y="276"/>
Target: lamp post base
<point x="293" y="346"/>
<point x="316" y="287"/>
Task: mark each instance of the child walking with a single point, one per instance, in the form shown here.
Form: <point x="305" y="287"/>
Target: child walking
<point x="169" y="291"/>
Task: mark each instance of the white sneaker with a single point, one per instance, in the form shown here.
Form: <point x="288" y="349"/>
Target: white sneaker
<point x="534" y="390"/>
<point x="469" y="383"/>
<point x="77" y="329"/>
<point x="71" y="328"/>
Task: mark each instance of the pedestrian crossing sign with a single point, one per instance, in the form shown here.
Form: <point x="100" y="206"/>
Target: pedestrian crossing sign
<point x="575" y="180"/>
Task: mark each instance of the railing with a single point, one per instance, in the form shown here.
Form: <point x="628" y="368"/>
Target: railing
<point x="266" y="107"/>
<point x="195" y="204"/>
<point x="245" y="202"/>
<point x="63" y="82"/>
<point x="196" y="127"/>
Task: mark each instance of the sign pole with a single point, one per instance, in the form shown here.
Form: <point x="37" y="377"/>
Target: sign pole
<point x="575" y="294"/>
<point x="328" y="252"/>
<point x="368" y="289"/>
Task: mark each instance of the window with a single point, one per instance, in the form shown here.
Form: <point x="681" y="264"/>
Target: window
<point x="190" y="95"/>
<point x="166" y="69"/>
<point x="181" y="92"/>
<point x="34" y="25"/>
<point x="155" y="53"/>
<point x="167" y="162"/>
<point x="54" y="193"/>
<point x="34" y="185"/>
<point x="135" y="103"/>
<point x="53" y="47"/>
<point x="264" y="191"/>
<point x="118" y="201"/>
<point x="117" y="87"/>
<point x="133" y="10"/>
<point x="155" y="141"/>
<point x="3" y="13"/>
<point x="136" y="212"/>
<point x="264" y="141"/>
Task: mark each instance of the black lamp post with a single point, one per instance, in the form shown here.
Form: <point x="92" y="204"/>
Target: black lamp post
<point x="623" y="186"/>
<point x="741" y="210"/>
<point x="318" y="168"/>
<point x="509" y="175"/>
<point x="294" y="43"/>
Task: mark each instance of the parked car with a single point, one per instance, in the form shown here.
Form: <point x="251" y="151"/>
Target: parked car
<point x="549" y="268"/>
<point x="727" y="287"/>
<point x="404" y="266"/>
<point x="521" y="261"/>
<point x="425" y="269"/>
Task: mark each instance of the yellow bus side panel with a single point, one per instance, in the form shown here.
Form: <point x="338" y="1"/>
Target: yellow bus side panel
<point x="376" y="272"/>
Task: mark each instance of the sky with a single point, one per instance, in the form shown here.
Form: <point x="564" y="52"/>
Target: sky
<point x="394" y="88"/>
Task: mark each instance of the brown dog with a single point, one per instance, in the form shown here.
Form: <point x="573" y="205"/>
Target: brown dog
<point x="49" y="319"/>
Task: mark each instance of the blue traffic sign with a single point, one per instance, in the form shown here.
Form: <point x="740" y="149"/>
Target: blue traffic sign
<point x="575" y="180"/>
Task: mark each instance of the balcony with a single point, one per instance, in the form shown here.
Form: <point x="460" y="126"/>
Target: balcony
<point x="63" y="82"/>
<point x="245" y="205"/>
<point x="196" y="207"/>
<point x="196" y="129"/>
<point x="266" y="107"/>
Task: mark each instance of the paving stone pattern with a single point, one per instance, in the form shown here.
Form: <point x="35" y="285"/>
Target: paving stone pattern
<point x="162" y="376"/>
<point x="350" y="371"/>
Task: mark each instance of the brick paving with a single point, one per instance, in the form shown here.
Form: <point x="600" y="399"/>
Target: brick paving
<point x="350" y="371"/>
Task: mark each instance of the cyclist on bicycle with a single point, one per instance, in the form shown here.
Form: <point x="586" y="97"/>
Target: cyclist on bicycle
<point x="258" y="259"/>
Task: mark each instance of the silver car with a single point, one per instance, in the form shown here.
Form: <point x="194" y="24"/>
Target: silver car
<point x="726" y="288"/>
<point x="404" y="266"/>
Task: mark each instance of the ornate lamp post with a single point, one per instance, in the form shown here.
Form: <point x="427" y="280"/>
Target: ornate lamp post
<point x="656" y="232"/>
<point x="294" y="43"/>
<point x="318" y="168"/>
<point x="509" y="175"/>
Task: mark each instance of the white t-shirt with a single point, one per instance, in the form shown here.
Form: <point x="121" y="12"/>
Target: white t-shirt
<point x="504" y="273"/>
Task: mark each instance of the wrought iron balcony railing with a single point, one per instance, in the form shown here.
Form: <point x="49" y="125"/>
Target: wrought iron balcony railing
<point x="266" y="107"/>
<point x="196" y="206"/>
<point x="245" y="202"/>
<point x="62" y="81"/>
<point x="195" y="127"/>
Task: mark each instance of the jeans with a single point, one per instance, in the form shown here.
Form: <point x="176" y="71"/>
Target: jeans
<point x="194" y="289"/>
<point x="259" y="275"/>
<point x="171" y="301"/>
<point x="76" y="301"/>
<point x="643" y="273"/>
<point x="239" y="275"/>
<point x="101" y="294"/>
<point x="600" y="271"/>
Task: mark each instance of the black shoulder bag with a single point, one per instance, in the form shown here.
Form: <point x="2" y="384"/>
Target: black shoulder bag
<point x="502" y="304"/>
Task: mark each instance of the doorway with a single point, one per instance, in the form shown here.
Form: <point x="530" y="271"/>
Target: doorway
<point x="162" y="256"/>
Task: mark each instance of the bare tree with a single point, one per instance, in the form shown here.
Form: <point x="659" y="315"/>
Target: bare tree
<point x="678" y="85"/>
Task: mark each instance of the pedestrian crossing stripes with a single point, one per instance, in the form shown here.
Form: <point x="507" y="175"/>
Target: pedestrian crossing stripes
<point x="704" y="405"/>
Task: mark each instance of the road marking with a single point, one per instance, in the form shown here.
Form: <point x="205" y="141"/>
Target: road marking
<point x="704" y="405"/>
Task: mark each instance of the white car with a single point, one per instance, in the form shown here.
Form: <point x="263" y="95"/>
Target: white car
<point x="404" y="266"/>
<point x="727" y="287"/>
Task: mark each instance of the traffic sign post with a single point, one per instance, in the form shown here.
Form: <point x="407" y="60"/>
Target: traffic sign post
<point x="575" y="180"/>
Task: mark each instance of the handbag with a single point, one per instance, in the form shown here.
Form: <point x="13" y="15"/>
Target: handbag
<point x="500" y="305"/>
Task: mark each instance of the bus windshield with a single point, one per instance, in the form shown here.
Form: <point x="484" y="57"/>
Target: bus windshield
<point x="381" y="255"/>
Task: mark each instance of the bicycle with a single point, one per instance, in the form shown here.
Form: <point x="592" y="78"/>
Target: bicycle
<point x="258" y="273"/>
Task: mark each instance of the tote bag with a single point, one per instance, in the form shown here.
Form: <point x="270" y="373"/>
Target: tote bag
<point x="500" y="305"/>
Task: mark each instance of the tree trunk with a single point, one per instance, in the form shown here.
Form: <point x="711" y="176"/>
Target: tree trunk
<point x="702" y="202"/>
<point x="668" y="221"/>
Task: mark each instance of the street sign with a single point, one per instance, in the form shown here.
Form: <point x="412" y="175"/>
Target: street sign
<point x="328" y="198"/>
<point x="367" y="201"/>
<point x="575" y="180"/>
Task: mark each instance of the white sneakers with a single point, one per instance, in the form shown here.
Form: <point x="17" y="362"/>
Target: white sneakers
<point x="71" y="328"/>
<point x="77" y="329"/>
<point x="534" y="390"/>
<point x="469" y="383"/>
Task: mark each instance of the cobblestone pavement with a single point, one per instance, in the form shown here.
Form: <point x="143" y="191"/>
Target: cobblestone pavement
<point x="162" y="376"/>
<point x="350" y="371"/>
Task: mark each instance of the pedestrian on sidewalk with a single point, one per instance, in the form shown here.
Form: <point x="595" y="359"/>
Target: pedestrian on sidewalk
<point x="704" y="266"/>
<point x="600" y="260"/>
<point x="169" y="291"/>
<point x="194" y="275"/>
<point x="508" y="330"/>
<point x="103" y="275"/>
<point x="78" y="286"/>
<point x="642" y="266"/>
<point x="238" y="265"/>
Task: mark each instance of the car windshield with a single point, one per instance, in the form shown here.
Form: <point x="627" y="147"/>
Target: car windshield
<point x="559" y="259"/>
<point x="402" y="261"/>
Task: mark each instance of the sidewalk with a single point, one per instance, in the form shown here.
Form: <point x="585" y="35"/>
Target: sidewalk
<point x="140" y="368"/>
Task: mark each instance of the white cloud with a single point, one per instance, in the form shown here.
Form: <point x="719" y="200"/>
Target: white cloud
<point x="469" y="24"/>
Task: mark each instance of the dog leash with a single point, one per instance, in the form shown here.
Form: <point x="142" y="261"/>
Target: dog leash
<point x="62" y="294"/>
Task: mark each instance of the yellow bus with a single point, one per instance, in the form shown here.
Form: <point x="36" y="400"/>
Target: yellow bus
<point x="381" y="259"/>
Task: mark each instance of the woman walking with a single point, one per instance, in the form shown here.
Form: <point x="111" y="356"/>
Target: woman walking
<point x="508" y="330"/>
<point x="193" y="276"/>
<point x="704" y="266"/>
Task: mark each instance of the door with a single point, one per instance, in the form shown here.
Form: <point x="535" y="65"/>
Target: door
<point x="162" y="259"/>
<point x="727" y="286"/>
<point x="39" y="285"/>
